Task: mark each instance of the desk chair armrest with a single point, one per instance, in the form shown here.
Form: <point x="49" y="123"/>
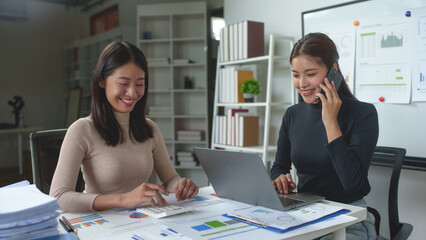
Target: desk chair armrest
<point x="404" y="232"/>
<point x="377" y="218"/>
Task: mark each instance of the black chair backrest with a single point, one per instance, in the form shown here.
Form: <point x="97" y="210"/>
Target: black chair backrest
<point x="45" y="147"/>
<point x="391" y="157"/>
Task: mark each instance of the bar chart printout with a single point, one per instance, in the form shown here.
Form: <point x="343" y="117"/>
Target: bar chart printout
<point x="419" y="55"/>
<point x="383" y="68"/>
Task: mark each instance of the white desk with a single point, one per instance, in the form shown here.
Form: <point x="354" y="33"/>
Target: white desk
<point x="125" y="228"/>
<point x="19" y="132"/>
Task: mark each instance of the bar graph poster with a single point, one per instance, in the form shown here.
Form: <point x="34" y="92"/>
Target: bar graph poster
<point x="419" y="54"/>
<point x="383" y="68"/>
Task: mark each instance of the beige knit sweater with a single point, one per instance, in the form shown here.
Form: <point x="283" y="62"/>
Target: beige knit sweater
<point x="107" y="169"/>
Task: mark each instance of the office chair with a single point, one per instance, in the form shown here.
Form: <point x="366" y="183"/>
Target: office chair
<point x="391" y="157"/>
<point x="45" y="147"/>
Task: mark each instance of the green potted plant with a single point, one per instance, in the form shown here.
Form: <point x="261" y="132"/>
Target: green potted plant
<point x="250" y="88"/>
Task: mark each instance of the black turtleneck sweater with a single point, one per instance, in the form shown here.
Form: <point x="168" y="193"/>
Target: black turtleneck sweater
<point x="336" y="170"/>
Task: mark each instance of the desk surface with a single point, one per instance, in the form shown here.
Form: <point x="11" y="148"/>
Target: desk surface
<point x="126" y="227"/>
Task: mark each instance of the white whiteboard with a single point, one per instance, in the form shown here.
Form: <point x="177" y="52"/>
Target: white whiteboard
<point x="400" y="125"/>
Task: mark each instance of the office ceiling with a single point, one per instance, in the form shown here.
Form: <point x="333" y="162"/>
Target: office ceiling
<point x="84" y="4"/>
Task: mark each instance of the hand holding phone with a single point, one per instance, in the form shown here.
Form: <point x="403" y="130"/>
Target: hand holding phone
<point x="333" y="76"/>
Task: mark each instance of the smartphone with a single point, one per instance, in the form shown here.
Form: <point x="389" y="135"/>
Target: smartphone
<point x="333" y="76"/>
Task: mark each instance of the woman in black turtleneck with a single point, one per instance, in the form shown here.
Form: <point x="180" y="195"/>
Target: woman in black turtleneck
<point x="330" y="142"/>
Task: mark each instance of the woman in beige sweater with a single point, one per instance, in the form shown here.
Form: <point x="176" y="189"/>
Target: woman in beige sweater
<point x="116" y="147"/>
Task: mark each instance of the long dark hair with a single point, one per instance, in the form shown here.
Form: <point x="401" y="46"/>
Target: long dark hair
<point x="321" y="47"/>
<point x="115" y="55"/>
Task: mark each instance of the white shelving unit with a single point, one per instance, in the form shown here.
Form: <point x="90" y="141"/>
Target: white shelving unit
<point x="272" y="87"/>
<point x="177" y="31"/>
<point x="81" y="57"/>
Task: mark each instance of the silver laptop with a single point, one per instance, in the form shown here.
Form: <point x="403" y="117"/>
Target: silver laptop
<point x="243" y="177"/>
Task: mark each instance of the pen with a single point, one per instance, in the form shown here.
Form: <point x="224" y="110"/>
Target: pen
<point x="68" y="224"/>
<point x="65" y="226"/>
<point x="252" y="221"/>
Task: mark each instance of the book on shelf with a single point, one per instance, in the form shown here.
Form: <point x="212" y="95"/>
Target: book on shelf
<point x="188" y="164"/>
<point x="160" y="110"/>
<point x="242" y="40"/>
<point x="190" y="135"/>
<point x="186" y="159"/>
<point x="230" y="117"/>
<point x="230" y="81"/>
<point x="239" y="77"/>
<point x="225" y="44"/>
<point x="253" y="40"/>
<point x="248" y="128"/>
<point x="185" y="154"/>
<point x="182" y="61"/>
<point x="240" y="128"/>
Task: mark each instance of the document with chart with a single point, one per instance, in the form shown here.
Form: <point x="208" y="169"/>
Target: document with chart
<point x="383" y="67"/>
<point x="419" y="54"/>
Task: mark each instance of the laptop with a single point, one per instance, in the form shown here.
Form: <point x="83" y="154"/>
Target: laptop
<point x="242" y="177"/>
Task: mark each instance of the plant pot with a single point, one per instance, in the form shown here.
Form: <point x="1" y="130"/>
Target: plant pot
<point x="248" y="97"/>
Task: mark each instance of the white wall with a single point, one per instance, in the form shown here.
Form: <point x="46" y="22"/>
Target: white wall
<point x="284" y="17"/>
<point x="31" y="66"/>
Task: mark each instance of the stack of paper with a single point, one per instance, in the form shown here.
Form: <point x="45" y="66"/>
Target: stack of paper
<point x="27" y="213"/>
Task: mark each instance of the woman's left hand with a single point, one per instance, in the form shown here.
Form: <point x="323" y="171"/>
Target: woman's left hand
<point x="185" y="189"/>
<point x="330" y="109"/>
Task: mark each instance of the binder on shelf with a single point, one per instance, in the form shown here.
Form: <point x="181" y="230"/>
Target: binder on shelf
<point x="230" y="81"/>
<point x="239" y="77"/>
<point x="230" y="117"/>
<point x="231" y="42"/>
<point x="225" y="43"/>
<point x="253" y="41"/>
<point x="242" y="40"/>
<point x="248" y="130"/>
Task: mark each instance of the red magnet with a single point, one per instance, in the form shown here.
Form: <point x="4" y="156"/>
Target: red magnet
<point x="356" y="23"/>
<point x="381" y="99"/>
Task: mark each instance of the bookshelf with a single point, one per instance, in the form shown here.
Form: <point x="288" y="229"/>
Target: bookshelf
<point x="81" y="57"/>
<point x="270" y="104"/>
<point x="173" y="37"/>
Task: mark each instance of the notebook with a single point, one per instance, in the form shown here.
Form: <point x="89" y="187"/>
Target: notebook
<point x="242" y="177"/>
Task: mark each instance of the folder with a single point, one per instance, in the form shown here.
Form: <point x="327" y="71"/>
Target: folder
<point x="288" y="220"/>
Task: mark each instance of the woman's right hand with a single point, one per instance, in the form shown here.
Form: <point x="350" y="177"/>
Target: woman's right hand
<point x="146" y="192"/>
<point x="284" y="183"/>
